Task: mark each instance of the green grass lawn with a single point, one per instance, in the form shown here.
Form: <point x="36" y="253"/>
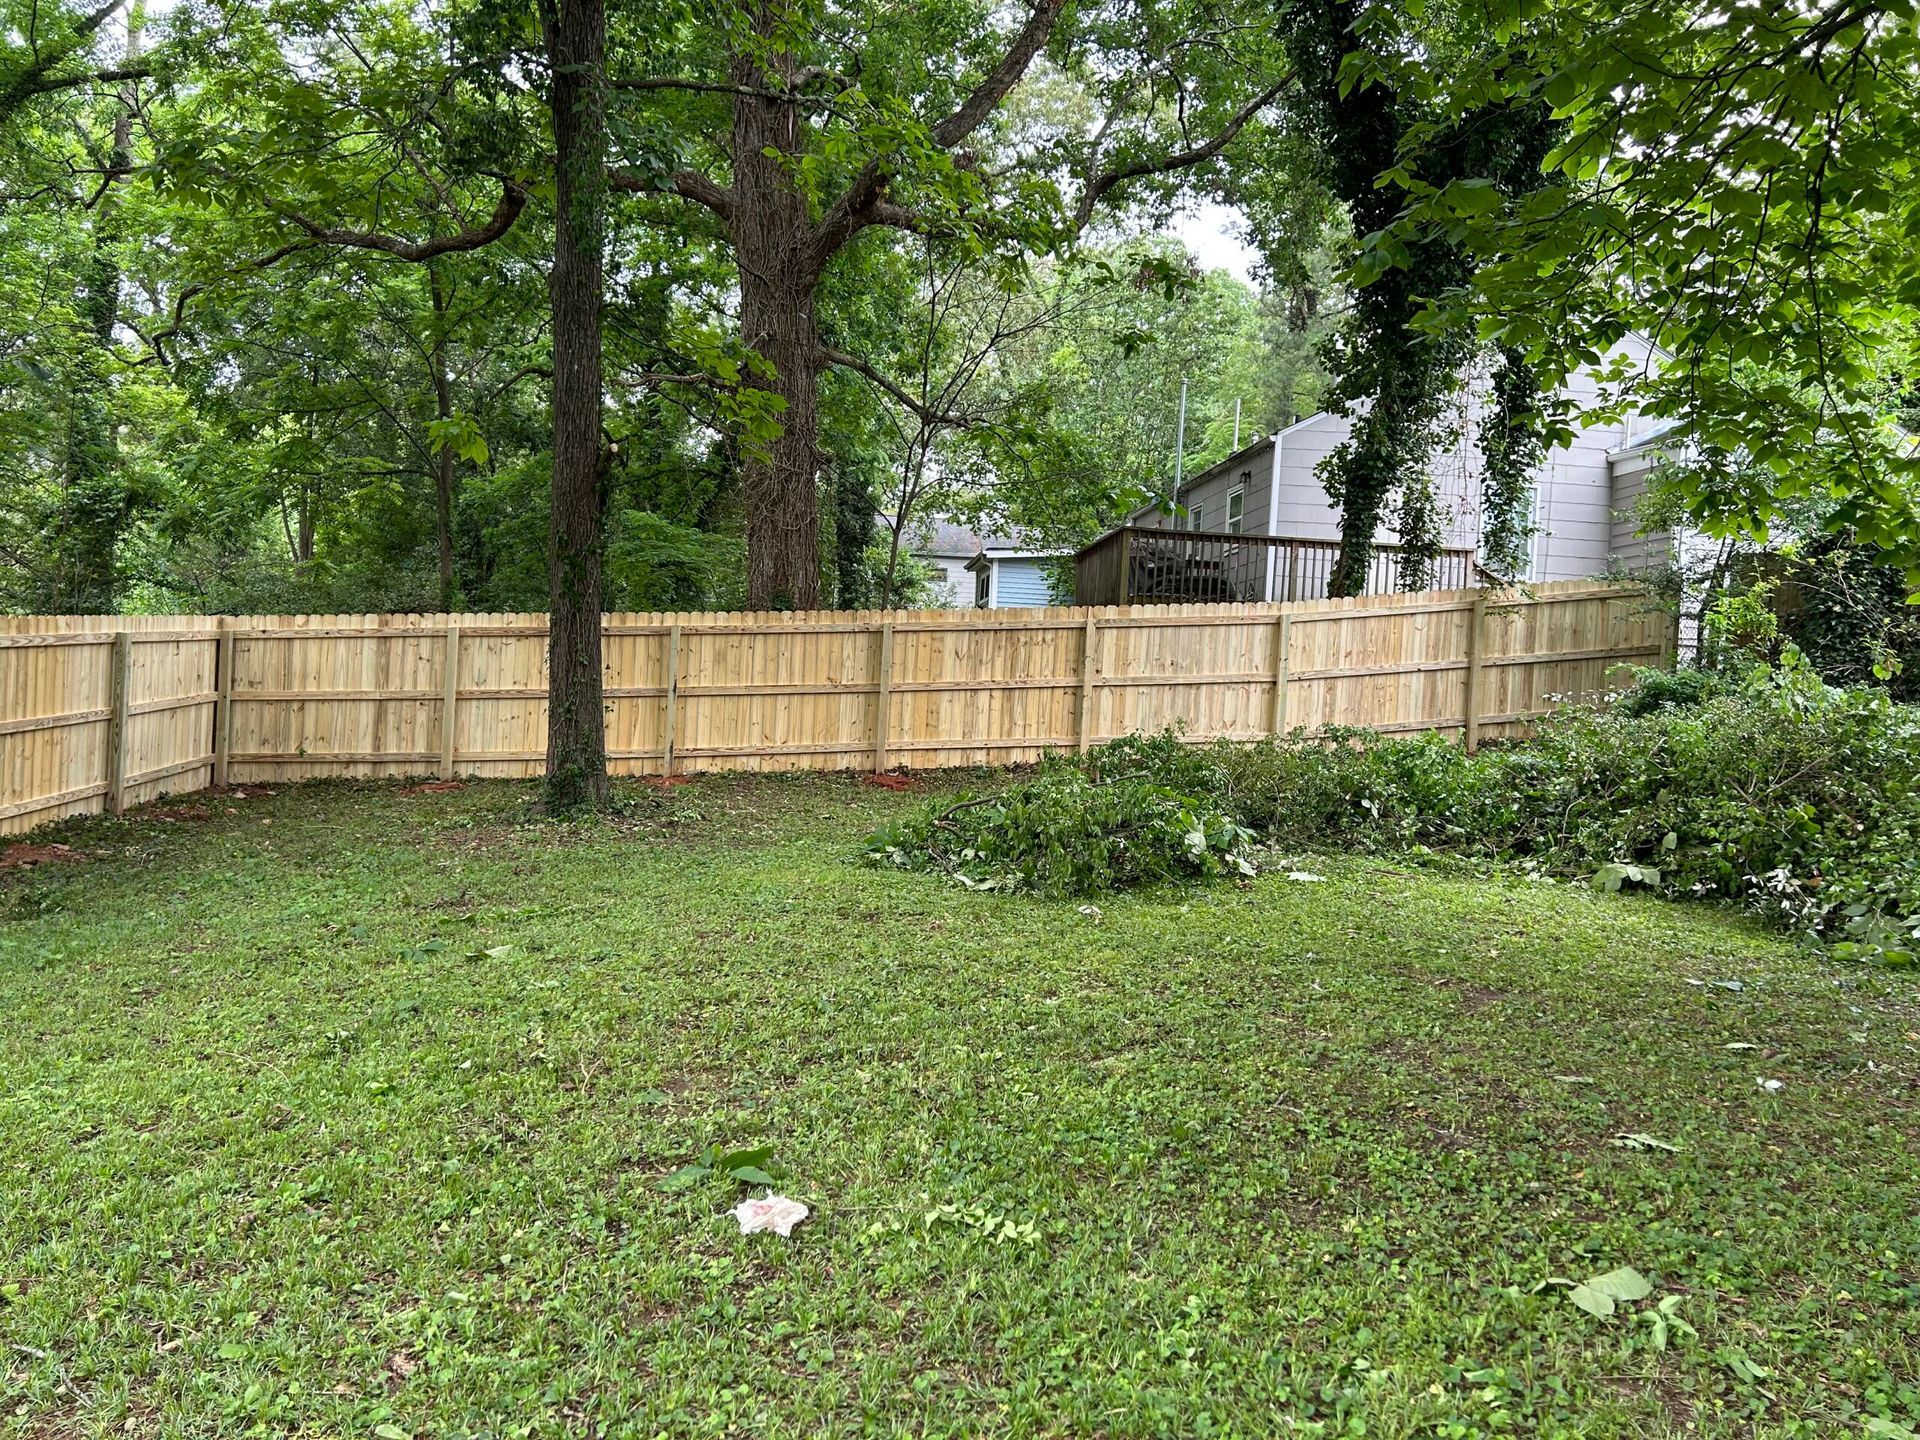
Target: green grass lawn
<point x="342" y="1112"/>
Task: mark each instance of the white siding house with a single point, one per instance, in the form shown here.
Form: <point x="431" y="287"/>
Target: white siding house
<point x="943" y="549"/>
<point x="1583" y="493"/>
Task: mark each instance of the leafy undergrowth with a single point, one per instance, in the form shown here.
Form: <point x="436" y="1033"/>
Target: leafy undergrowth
<point x="1771" y="791"/>
<point x="1063" y="832"/>
<point x="344" y="1112"/>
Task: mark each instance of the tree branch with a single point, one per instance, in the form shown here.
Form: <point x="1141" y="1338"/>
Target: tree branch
<point x="687" y="184"/>
<point x="178" y="322"/>
<point x="525" y="372"/>
<point x="988" y="94"/>
<point x="859" y="205"/>
<point x="710" y="87"/>
<point x="32" y="79"/>
<point x="652" y="380"/>
<point x="1098" y="187"/>
<point x="898" y="217"/>
<point x="43" y="86"/>
<point x="919" y="407"/>
<point x="513" y="199"/>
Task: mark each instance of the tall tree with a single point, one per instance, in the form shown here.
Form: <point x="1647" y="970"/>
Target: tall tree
<point x="1395" y="374"/>
<point x="574" y="33"/>
<point x="66" y="140"/>
<point x="576" y="36"/>
<point x="880" y="117"/>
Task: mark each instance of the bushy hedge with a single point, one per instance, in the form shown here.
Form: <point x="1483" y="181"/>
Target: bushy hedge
<point x="1791" y="798"/>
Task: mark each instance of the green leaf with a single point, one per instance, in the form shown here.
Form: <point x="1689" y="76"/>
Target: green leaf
<point x="686" y="1177"/>
<point x="1626" y="1283"/>
<point x="756" y="1156"/>
<point x="751" y="1175"/>
<point x="1602" y="1295"/>
<point x="1562" y="89"/>
<point x="389" y="1431"/>
<point x="1744" y="1369"/>
<point x="1595" y="1302"/>
<point x="1478" y="196"/>
<point x="1611" y="877"/>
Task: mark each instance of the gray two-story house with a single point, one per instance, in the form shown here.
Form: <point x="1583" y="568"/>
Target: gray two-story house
<point x="1258" y="525"/>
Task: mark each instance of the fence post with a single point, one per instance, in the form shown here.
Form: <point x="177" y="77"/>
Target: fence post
<point x="117" y="722"/>
<point x="1089" y="657"/>
<point x="449" y="701"/>
<point x="883" y="697"/>
<point x="1476" y="644"/>
<point x="223" y="706"/>
<point x="671" y="715"/>
<point x="1126" y="565"/>
<point x="1282" y="658"/>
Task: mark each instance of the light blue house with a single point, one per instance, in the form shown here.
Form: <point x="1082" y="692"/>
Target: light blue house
<point x="1008" y="572"/>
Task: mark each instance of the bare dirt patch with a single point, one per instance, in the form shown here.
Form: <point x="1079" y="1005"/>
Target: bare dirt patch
<point x="25" y="856"/>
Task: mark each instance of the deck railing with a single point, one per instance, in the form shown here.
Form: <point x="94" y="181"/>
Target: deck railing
<point x="1140" y="565"/>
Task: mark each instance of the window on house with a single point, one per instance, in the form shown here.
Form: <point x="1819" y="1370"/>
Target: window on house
<point x="980" y="587"/>
<point x="1194" y="513"/>
<point x="1236" y="510"/>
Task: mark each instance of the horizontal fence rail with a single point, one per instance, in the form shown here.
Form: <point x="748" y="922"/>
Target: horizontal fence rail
<point x="101" y="712"/>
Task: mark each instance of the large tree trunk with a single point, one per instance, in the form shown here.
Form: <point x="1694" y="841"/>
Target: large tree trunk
<point x="772" y="235"/>
<point x="576" y="724"/>
<point x="783" y="509"/>
<point x="443" y="462"/>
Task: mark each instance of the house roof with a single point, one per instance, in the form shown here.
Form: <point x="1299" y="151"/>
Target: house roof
<point x="989" y="557"/>
<point x="1663" y="433"/>
<point x="942" y="535"/>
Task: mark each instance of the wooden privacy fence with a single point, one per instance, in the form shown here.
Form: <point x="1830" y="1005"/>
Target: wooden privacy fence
<point x="100" y="712"/>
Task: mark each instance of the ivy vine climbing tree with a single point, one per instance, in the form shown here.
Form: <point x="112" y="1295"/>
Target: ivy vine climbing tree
<point x="1395" y="373"/>
<point x="1741" y="185"/>
<point x="1513" y="446"/>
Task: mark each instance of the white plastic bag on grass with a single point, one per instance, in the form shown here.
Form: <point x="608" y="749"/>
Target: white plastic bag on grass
<point x="777" y="1213"/>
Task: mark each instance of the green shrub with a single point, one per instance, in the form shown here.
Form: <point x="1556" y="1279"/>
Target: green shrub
<point x="1070" y="830"/>
<point x="1774" y="791"/>
<point x="1792" y="798"/>
<point x="1666" y="689"/>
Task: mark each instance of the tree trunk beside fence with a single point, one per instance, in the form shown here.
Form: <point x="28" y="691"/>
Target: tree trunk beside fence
<point x="274" y="698"/>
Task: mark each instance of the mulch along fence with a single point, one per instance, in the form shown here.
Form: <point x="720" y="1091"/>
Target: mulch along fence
<point x="101" y="712"/>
